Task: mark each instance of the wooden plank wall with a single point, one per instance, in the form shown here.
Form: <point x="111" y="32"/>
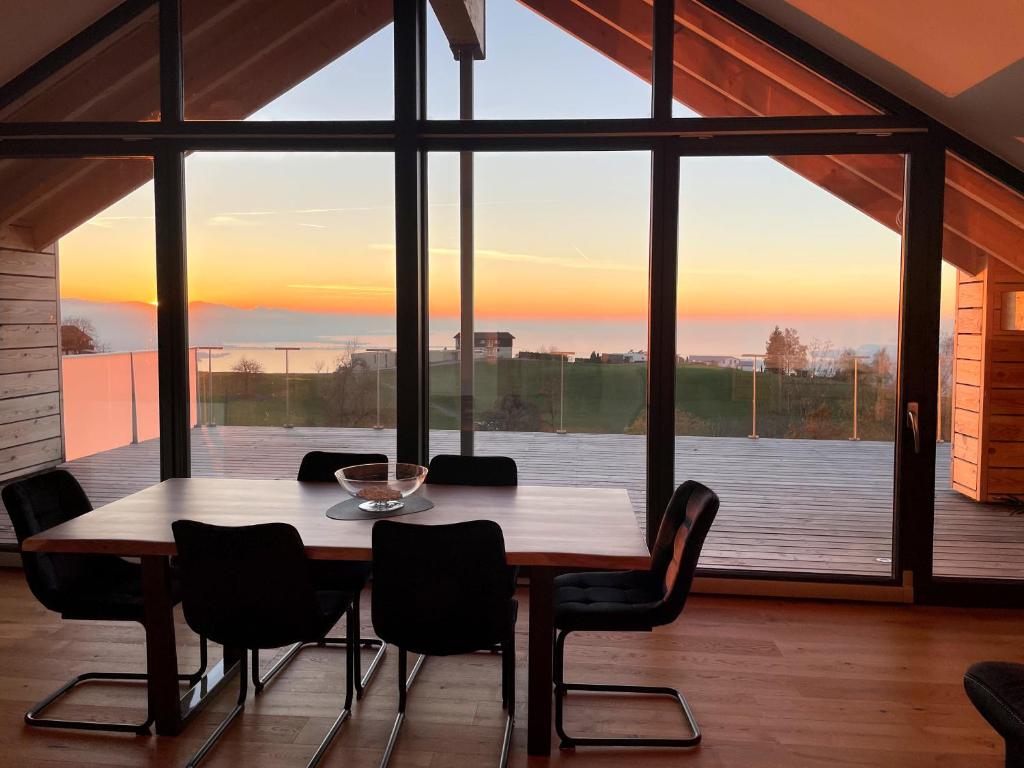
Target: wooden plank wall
<point x="1003" y="463"/>
<point x="30" y="420"/>
<point x="988" y="400"/>
<point x="969" y="353"/>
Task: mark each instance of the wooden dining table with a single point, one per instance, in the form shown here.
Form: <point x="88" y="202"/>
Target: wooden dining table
<point x="546" y="529"/>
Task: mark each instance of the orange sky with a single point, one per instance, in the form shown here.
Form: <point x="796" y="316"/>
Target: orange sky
<point x="557" y="237"/>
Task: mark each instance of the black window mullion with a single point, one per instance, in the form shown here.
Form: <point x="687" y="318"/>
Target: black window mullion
<point x="661" y="77"/>
<point x="913" y="521"/>
<point x="172" y="313"/>
<point x="410" y="238"/>
<point x="661" y="361"/>
<point x="171" y="269"/>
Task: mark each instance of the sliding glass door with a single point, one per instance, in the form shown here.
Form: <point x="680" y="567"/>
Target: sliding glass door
<point x="788" y="320"/>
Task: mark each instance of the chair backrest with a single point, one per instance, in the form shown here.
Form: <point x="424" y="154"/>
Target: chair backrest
<point x="685" y="526"/>
<point x="449" y="469"/>
<point x="246" y="586"/>
<point x="320" y="466"/>
<point x="37" y="504"/>
<point x="440" y="589"/>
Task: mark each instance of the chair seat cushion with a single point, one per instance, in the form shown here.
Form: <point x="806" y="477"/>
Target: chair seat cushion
<point x="607" y="600"/>
<point x="344" y="575"/>
<point x="111" y="592"/>
<point x="996" y="688"/>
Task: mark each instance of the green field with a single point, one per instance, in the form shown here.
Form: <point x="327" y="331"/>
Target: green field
<point x="524" y="395"/>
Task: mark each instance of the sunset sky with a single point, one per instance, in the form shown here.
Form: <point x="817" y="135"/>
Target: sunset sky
<point x="561" y="239"/>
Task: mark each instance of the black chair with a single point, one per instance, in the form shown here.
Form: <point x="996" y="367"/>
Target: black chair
<point x="635" y="601"/>
<point x="350" y="576"/>
<point x="440" y="590"/>
<point x="250" y="587"/>
<point x="453" y="469"/>
<point x="996" y="688"/>
<point x="77" y="586"/>
<point x="449" y="469"/>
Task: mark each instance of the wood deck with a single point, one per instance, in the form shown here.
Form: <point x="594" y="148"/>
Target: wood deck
<point x="787" y="505"/>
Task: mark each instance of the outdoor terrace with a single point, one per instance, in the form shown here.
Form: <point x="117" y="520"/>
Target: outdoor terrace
<point x="821" y="506"/>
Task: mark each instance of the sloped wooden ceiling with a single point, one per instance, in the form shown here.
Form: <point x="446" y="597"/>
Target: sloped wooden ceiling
<point x="239" y="54"/>
<point x="720" y="70"/>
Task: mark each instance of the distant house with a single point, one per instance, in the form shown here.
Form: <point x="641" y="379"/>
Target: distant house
<point x="622" y="358"/>
<point x="75" y="341"/>
<point x="490" y="345"/>
<point x="717" y="361"/>
<point x="374" y="359"/>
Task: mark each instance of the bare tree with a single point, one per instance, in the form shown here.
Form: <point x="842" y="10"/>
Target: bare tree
<point x="249" y="368"/>
<point x="823" y="360"/>
<point x="349" y="393"/>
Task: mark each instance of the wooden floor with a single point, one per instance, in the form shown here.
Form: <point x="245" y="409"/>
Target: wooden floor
<point x="774" y="684"/>
<point x="808" y="506"/>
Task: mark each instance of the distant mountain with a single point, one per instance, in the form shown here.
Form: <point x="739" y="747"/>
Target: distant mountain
<point x="122" y="326"/>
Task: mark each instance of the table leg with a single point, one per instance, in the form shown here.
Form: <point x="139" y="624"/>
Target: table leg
<point x="161" y="651"/>
<point x="539" y="694"/>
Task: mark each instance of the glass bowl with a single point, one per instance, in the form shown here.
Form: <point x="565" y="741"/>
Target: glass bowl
<point x="381" y="486"/>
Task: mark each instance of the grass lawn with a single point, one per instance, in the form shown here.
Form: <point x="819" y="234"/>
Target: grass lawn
<point x="598" y="398"/>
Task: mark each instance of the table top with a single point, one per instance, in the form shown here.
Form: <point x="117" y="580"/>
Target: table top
<point x="542" y="525"/>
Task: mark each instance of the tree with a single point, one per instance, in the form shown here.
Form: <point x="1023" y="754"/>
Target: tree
<point x="885" y="394"/>
<point x="946" y="383"/>
<point x="783" y="351"/>
<point x="350" y="393"/>
<point x="823" y="361"/>
<point x="513" y="414"/>
<point x="881" y="364"/>
<point x="844" y="362"/>
<point x="249" y="368"/>
<point x="78" y="336"/>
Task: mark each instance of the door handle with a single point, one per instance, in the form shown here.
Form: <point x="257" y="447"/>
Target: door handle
<point x="914" y="424"/>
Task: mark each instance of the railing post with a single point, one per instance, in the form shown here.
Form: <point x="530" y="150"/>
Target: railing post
<point x="135" y="410"/>
<point x="753" y="397"/>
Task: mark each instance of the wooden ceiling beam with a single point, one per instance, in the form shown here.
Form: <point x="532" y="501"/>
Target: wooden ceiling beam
<point x="721" y="70"/>
<point x="463" y="24"/>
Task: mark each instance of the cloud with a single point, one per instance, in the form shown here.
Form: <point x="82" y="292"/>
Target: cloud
<point x="290" y="211"/>
<point x="531" y="258"/>
<point x="311" y="226"/>
<point x="104" y="222"/>
<point x="225" y="220"/>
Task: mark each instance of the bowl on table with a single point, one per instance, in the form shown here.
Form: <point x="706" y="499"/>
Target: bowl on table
<point x="381" y="487"/>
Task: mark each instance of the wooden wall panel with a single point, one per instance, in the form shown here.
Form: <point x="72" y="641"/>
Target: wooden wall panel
<point x="30" y="414"/>
<point x="968" y="383"/>
<point x="28" y="336"/>
<point x="988" y="442"/>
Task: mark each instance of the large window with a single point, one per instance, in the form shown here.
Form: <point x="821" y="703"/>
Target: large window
<point x="534" y="69"/>
<point x="78" y="376"/>
<point x="309" y="60"/>
<point x="291" y="308"/>
<point x="788" y="301"/>
<point x="539" y="219"/>
<point x="559" y="322"/>
<point x="980" y="456"/>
